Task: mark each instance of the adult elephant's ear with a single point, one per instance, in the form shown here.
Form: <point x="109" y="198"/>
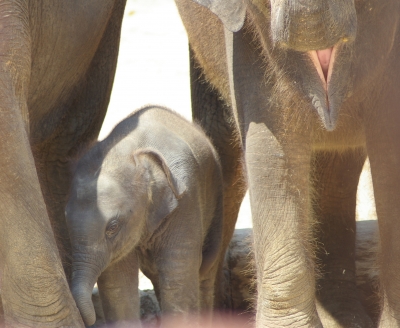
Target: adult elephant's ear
<point x="231" y="12"/>
<point x="164" y="189"/>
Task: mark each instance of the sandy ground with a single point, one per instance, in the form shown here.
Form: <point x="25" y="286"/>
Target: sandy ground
<point x="153" y="68"/>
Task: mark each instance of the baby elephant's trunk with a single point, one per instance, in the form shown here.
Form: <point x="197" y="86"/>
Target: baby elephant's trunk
<point x="84" y="276"/>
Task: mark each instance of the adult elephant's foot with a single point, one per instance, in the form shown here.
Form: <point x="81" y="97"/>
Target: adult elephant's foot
<point x="43" y="301"/>
<point x="338" y="304"/>
<point x="298" y="320"/>
<point x="343" y="313"/>
<point x="286" y="302"/>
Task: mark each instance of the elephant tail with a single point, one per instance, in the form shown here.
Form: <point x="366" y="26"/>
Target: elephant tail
<point x="213" y="242"/>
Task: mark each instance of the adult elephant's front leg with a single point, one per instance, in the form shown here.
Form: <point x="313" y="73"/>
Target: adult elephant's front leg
<point x="277" y="156"/>
<point x="34" y="290"/>
<point x="278" y="172"/>
<point x="383" y="135"/>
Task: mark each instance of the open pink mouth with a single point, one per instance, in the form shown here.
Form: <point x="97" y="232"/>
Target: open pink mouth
<point x="323" y="61"/>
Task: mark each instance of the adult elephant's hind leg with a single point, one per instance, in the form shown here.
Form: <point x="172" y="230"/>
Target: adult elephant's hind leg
<point x="34" y="290"/>
<point x="83" y="115"/>
<point x="216" y="119"/>
<point x="335" y="179"/>
<point x="33" y="286"/>
<point x="383" y="135"/>
<point x="1" y="313"/>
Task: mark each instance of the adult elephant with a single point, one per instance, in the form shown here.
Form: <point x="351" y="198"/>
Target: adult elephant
<point x="313" y="86"/>
<point x="57" y="66"/>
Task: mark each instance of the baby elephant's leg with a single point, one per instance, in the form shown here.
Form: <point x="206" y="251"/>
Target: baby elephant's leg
<point x="208" y="280"/>
<point x="178" y="267"/>
<point x="118" y="287"/>
<point x="207" y="294"/>
<point x="207" y="285"/>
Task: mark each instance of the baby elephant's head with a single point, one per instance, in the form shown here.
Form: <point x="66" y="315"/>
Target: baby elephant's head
<point x="114" y="203"/>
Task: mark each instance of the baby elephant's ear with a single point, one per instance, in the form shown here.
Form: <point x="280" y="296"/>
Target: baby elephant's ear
<point x="164" y="190"/>
<point x="231" y="12"/>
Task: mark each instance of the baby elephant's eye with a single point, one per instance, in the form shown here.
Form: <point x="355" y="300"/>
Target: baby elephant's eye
<point x="112" y="228"/>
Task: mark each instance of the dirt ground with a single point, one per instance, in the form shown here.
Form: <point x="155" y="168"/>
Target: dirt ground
<point x="153" y="68"/>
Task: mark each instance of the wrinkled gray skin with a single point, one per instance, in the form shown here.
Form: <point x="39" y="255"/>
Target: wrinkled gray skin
<point x="150" y="193"/>
<point x="57" y="66"/>
<point x="305" y="128"/>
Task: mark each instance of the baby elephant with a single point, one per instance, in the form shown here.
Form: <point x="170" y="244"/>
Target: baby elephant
<point x="150" y="194"/>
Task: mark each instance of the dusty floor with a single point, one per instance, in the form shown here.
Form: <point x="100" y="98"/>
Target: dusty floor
<point x="153" y="68"/>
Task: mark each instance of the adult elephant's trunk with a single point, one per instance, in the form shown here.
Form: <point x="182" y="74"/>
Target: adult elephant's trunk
<point x="84" y="276"/>
<point x="305" y="25"/>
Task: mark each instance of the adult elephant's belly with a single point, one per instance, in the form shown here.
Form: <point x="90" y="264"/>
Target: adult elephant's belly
<point x="63" y="46"/>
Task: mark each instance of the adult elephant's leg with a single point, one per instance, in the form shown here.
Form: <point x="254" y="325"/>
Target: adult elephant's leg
<point x="216" y="119"/>
<point x="81" y="123"/>
<point x="278" y="156"/>
<point x="278" y="176"/>
<point x="383" y="135"/>
<point x="34" y="290"/>
<point x="1" y="313"/>
<point x="335" y="182"/>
